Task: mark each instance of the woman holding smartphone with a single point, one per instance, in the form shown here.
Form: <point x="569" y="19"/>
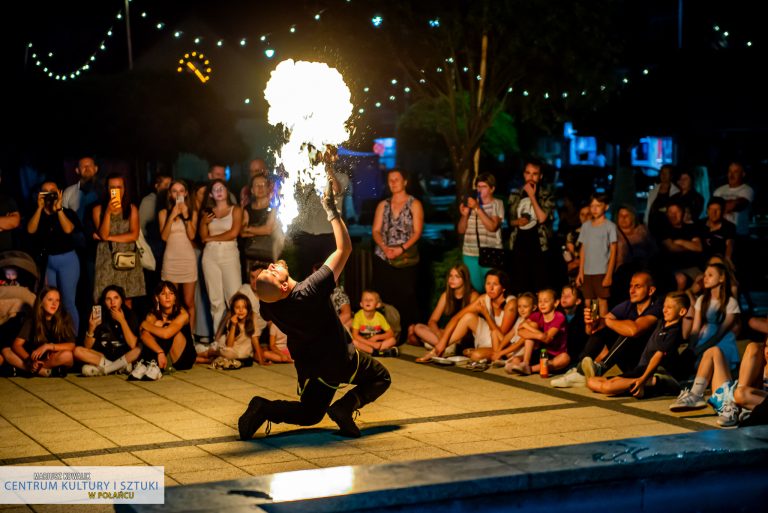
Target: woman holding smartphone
<point x="178" y="227"/>
<point x="117" y="229"/>
<point x="111" y="342"/>
<point x="220" y="222"/>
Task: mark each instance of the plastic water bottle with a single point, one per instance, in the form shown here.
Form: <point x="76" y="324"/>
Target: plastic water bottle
<point x="544" y="364"/>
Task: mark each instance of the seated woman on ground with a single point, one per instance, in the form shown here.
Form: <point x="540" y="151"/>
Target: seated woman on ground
<point x="237" y="337"/>
<point x="545" y="329"/>
<point x="111" y="342"/>
<point x="165" y="331"/>
<point x="46" y="340"/>
<point x="513" y="344"/>
<point x="458" y="294"/>
<point x="277" y="351"/>
<point x="371" y="332"/>
<point x="660" y="365"/>
<point x="489" y="317"/>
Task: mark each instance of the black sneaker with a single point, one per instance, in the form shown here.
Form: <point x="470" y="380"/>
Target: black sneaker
<point x="343" y="418"/>
<point x="254" y="416"/>
<point x="392" y="351"/>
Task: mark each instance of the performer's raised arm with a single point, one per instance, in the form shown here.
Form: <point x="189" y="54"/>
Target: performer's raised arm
<point x="338" y="259"/>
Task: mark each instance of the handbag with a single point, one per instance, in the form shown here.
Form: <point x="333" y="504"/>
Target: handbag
<point x="489" y="257"/>
<point x="145" y="253"/>
<point x="123" y="260"/>
<point x="408" y="258"/>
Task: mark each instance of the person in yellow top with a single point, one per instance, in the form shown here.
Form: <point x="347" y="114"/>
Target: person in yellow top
<point x="370" y="330"/>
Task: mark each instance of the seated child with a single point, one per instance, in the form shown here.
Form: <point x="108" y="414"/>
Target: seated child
<point x="277" y="351"/>
<point x="660" y="364"/>
<point x="543" y="329"/>
<point x="512" y="344"/>
<point x="370" y="330"/>
<point x="237" y="337"/>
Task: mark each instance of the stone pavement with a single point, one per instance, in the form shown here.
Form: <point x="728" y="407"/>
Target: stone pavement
<point x="187" y="421"/>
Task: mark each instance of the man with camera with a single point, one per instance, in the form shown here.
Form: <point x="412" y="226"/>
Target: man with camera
<point x="52" y="228"/>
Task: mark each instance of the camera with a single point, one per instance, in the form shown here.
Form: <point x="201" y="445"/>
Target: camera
<point x="49" y="197"/>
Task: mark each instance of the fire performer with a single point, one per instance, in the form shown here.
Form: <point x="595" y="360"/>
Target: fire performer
<point x="322" y="349"/>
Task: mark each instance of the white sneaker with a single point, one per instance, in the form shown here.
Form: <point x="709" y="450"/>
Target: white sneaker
<point x="153" y="372"/>
<point x="139" y="370"/>
<point x="687" y="401"/>
<point x="728" y="415"/>
<point x="572" y="378"/>
<point x="93" y="370"/>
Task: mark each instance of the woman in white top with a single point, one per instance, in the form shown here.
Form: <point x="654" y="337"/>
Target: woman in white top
<point x="490" y="317"/>
<point x="480" y="220"/>
<point x="220" y="222"/>
<point x="178" y="227"/>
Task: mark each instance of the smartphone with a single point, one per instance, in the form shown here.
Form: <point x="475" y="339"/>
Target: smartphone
<point x="115" y="194"/>
<point x="97" y="312"/>
<point x="595" y="310"/>
<point x="179" y="199"/>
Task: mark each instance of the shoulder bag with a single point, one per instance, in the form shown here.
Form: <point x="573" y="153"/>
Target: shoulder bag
<point x="489" y="257"/>
<point x="123" y="260"/>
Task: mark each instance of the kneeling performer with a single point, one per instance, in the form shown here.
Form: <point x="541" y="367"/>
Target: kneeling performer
<point x="322" y="349"/>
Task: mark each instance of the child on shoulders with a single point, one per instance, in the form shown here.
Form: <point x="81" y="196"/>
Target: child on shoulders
<point x="371" y="332"/>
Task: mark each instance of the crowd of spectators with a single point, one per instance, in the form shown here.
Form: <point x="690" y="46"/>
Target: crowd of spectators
<point x="658" y="299"/>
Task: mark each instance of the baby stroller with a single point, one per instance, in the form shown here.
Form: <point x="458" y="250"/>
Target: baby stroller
<point x="16" y="296"/>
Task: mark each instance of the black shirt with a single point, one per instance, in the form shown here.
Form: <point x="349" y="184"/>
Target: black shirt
<point x="50" y="236"/>
<point x="713" y="242"/>
<point x="666" y="340"/>
<point x="682" y="259"/>
<point x="109" y="338"/>
<point x="317" y="340"/>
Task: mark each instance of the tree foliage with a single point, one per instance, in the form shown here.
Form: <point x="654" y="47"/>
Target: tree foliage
<point x="545" y="48"/>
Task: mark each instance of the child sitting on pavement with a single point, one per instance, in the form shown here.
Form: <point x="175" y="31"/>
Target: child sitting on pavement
<point x="277" y="351"/>
<point x="371" y="332"/>
<point x="660" y="363"/>
<point x="545" y="329"/>
<point x="513" y="344"/>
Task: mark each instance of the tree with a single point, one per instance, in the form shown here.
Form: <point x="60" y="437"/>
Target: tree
<point x="475" y="60"/>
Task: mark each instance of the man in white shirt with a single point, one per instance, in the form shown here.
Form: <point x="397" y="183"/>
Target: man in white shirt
<point x="738" y="198"/>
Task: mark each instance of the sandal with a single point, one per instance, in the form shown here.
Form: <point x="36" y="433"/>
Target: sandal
<point x="479" y="366"/>
<point x="426" y="358"/>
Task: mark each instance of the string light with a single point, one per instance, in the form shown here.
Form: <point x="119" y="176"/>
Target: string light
<point x="377" y="21"/>
<point x="394" y="81"/>
<point x="269" y="52"/>
<point x="243" y="42"/>
<point x="434" y="23"/>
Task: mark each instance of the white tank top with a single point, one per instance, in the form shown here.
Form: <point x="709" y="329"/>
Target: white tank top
<point x="220" y="225"/>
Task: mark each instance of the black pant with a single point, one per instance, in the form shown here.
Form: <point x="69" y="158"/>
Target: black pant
<point x="623" y="351"/>
<point x="397" y="286"/>
<point x="372" y="380"/>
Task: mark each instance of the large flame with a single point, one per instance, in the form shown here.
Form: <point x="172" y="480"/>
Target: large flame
<point x="312" y="103"/>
